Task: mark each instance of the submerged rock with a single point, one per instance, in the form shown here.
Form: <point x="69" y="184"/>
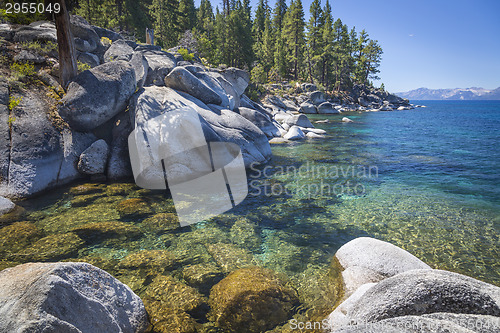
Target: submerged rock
<point x="251" y="300"/>
<point x="230" y="257"/>
<point x="50" y="248"/>
<point x="152" y="259"/>
<point x="98" y="231"/>
<point x="202" y="276"/>
<point x="166" y="319"/>
<point x="67" y="297"/>
<point x="17" y="236"/>
<point x="160" y="223"/>
<point x="134" y="207"/>
<point x="174" y="294"/>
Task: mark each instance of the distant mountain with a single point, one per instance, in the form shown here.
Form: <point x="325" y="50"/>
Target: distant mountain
<point x="473" y="93"/>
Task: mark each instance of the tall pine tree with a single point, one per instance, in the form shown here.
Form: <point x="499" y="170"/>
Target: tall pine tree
<point x="293" y="35"/>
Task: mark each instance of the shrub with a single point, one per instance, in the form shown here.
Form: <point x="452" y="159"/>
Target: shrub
<point x="185" y="54"/>
<point x="43" y="49"/>
<point x="13" y="102"/>
<point x="82" y="66"/>
<point x="258" y="75"/>
<point x="106" y="41"/>
<point x="21" y="71"/>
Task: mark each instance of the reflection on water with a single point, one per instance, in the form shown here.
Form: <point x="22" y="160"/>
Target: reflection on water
<point x="311" y="198"/>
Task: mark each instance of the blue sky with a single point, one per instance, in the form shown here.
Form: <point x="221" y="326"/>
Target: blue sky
<point x="427" y="43"/>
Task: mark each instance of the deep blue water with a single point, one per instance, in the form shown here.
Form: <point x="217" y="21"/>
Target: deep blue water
<point x="450" y="146"/>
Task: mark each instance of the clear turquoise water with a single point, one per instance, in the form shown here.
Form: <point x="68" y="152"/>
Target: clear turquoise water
<point x="424" y="179"/>
<point x="436" y="194"/>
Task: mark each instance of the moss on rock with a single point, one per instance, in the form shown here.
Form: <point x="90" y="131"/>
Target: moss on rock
<point x="86" y="189"/>
<point x="230" y="257"/>
<point x="94" y="232"/>
<point x="133" y="208"/>
<point x="250" y="300"/>
<point x="51" y="248"/>
<point x="160" y="223"/>
<point x="153" y="259"/>
<point x="17" y="236"/>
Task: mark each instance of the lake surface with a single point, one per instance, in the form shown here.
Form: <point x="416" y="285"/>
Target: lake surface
<point x="426" y="180"/>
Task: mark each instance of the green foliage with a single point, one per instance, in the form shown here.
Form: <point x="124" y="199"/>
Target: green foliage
<point x="40" y="48"/>
<point x="21" y="71"/>
<point x="276" y="40"/>
<point x="185" y="54"/>
<point x="258" y="74"/>
<point x="13" y="102"/>
<point x="106" y="41"/>
<point x="82" y="66"/>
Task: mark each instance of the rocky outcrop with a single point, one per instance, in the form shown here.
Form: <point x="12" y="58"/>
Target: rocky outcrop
<point x="386" y="287"/>
<point x="37" y="153"/>
<point x="67" y="297"/>
<point x="97" y="95"/>
<point x="160" y="64"/>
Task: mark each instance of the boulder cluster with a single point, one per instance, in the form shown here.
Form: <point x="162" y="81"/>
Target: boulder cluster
<point x="389" y="290"/>
<point x="306" y="98"/>
<point x="86" y="133"/>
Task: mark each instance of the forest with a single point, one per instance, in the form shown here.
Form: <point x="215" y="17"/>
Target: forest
<point x="274" y="42"/>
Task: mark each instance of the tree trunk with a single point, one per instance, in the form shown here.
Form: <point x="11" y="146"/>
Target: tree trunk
<point x="67" y="54"/>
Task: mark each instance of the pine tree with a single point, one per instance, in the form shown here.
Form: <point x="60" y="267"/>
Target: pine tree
<point x="327" y="54"/>
<point x="280" y="60"/>
<point x="263" y="43"/>
<point x="187" y="15"/>
<point x="359" y="71"/>
<point x="165" y="22"/>
<point x="260" y="21"/>
<point x="293" y="34"/>
<point x="204" y="31"/>
<point x="314" y="39"/>
<point x="280" y="10"/>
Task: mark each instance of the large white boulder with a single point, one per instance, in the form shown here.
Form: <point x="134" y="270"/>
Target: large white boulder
<point x="294" y="133"/>
<point x="67" y="297"/>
